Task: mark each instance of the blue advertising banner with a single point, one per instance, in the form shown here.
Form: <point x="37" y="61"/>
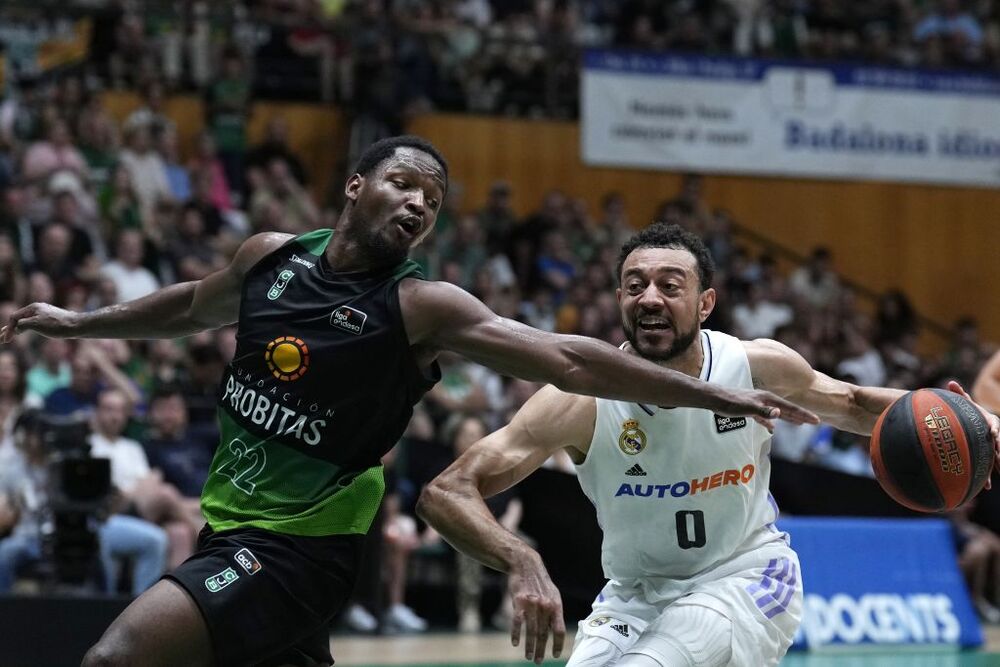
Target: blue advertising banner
<point x="881" y="581"/>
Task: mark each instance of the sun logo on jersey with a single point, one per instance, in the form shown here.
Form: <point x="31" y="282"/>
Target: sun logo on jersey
<point x="287" y="357"/>
<point x="633" y="439"/>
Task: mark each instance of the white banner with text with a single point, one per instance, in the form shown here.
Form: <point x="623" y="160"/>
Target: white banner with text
<point x="736" y="115"/>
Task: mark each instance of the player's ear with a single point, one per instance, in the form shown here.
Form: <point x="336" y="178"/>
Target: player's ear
<point x="353" y="186"/>
<point x="706" y="304"/>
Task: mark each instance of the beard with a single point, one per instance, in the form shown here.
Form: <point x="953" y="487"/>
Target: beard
<point x="381" y="250"/>
<point x="682" y="341"/>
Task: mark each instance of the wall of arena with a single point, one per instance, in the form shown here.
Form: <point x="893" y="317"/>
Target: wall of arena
<point x="939" y="242"/>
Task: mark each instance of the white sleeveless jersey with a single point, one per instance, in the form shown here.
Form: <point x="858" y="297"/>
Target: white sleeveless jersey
<point x="678" y="490"/>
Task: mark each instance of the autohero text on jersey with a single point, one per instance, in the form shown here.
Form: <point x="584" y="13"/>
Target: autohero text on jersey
<point x="684" y="488"/>
<point x="278" y="412"/>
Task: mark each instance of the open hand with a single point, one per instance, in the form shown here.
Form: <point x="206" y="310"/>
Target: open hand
<point x="44" y="318"/>
<point x="991" y="419"/>
<point x="765" y="407"/>
<point x="538" y="606"/>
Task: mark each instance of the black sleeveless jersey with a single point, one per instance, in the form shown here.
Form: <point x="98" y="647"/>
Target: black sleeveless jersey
<point x="322" y="384"/>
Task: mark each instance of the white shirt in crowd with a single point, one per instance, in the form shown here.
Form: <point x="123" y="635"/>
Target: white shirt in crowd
<point x="128" y="460"/>
<point x="130" y="283"/>
<point x="761" y="320"/>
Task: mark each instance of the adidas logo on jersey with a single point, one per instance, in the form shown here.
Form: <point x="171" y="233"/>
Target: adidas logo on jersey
<point x="636" y="471"/>
<point x="621" y="629"/>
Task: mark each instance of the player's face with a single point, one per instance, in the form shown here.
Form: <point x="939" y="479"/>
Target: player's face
<point x="396" y="205"/>
<point x="661" y="301"/>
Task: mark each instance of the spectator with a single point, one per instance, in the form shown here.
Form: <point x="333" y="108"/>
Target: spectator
<point x="50" y="372"/>
<point x="181" y="453"/>
<point x="298" y="212"/>
<point x="55" y="154"/>
<point x="960" y="35"/>
<point x="13" y="387"/>
<point x="759" y="317"/>
<point x="275" y="146"/>
<point x="815" y="283"/>
<point x="147" y="169"/>
<point x="141" y="490"/>
<point x="227" y="106"/>
<point x="132" y="280"/>
<point x="207" y="161"/>
<point x="92" y="369"/>
<point x="12" y="284"/>
<point x="151" y="114"/>
<point x="24" y="489"/>
<point x="190" y="251"/>
<point x="178" y="177"/>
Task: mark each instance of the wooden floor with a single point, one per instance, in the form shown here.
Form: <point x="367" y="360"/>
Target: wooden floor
<point x="494" y="650"/>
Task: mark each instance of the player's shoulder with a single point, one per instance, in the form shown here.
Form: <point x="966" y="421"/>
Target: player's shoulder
<point x="764" y="348"/>
<point x="259" y="246"/>
<point x="428" y="306"/>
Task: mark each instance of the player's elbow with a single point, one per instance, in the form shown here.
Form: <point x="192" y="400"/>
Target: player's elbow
<point x="433" y="500"/>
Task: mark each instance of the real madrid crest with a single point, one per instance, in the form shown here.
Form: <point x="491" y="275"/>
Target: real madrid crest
<point x="633" y="439"/>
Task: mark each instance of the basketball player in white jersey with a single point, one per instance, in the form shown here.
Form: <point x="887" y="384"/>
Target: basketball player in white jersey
<point x="698" y="574"/>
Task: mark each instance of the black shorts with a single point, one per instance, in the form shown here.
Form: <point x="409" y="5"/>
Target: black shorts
<point x="268" y="598"/>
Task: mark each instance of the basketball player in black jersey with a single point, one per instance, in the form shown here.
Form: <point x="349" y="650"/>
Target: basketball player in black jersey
<point x="336" y="341"/>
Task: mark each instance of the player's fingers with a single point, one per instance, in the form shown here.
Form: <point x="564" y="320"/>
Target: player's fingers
<point x="530" y="628"/>
<point x="558" y="632"/>
<point x="955" y="387"/>
<point x="515" y="625"/>
<point x="791" y="412"/>
<point x="766" y="423"/>
<point x="542" y="639"/>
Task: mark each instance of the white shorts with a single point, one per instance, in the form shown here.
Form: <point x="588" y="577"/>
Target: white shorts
<point x="743" y="613"/>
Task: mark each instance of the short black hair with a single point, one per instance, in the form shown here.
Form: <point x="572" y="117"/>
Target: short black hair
<point x="383" y="149"/>
<point x="166" y="390"/>
<point x="663" y="235"/>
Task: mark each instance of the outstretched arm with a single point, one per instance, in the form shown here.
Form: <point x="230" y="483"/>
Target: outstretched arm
<point x="453" y="504"/>
<point x="174" y="311"/>
<point x="446" y="317"/>
<point x="848" y="407"/>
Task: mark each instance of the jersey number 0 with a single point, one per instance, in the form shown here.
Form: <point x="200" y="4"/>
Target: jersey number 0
<point x="689" y="521"/>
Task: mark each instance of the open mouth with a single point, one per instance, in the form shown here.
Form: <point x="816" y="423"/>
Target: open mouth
<point x="653" y="324"/>
<point x="409" y="224"/>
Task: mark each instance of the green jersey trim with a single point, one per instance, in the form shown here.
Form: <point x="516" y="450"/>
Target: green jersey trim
<point x="315" y="242"/>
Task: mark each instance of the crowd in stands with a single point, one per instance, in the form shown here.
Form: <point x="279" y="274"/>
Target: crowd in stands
<point x="96" y="212"/>
<point x="387" y="59"/>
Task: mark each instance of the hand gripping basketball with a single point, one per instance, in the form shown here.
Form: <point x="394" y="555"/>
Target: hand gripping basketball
<point x="934" y="450"/>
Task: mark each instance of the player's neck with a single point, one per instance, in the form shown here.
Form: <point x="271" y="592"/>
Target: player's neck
<point x="690" y="361"/>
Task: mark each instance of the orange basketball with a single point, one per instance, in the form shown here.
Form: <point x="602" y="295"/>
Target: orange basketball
<point x="931" y="450"/>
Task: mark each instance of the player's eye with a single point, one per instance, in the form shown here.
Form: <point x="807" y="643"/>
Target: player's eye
<point x="433" y="203"/>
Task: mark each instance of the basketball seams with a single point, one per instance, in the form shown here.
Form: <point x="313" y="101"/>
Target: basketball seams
<point x="974" y="428"/>
<point x="918" y="489"/>
<point x="952" y="486"/>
